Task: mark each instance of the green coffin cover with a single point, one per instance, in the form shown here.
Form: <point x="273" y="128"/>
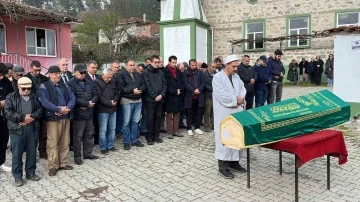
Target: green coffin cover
<point x="282" y="120"/>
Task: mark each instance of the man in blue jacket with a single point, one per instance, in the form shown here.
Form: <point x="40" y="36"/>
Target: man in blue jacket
<point x="263" y="78"/>
<point x="277" y="70"/>
<point x="57" y="100"/>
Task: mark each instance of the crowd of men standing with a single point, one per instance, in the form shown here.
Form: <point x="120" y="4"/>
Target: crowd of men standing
<point x="73" y="111"/>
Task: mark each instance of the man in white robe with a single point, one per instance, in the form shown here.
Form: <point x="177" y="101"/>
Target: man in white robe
<point x="228" y="97"/>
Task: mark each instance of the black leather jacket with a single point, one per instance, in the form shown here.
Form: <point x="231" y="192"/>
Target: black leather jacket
<point x="13" y="112"/>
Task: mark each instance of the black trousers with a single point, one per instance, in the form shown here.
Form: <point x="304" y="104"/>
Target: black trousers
<point x="153" y="119"/>
<point x="4" y="138"/>
<point x="193" y="115"/>
<point x="42" y="137"/>
<point x="249" y="98"/>
<point x="317" y="79"/>
<point x="162" y="121"/>
<point x="96" y="128"/>
<point x="312" y="78"/>
<point x="225" y="164"/>
<point x="71" y="132"/>
<point x="83" y="133"/>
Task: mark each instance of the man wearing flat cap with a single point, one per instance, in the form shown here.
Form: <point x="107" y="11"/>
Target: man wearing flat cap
<point x="17" y="73"/>
<point x="23" y="111"/>
<point x="86" y="96"/>
<point x="58" y="101"/>
<point x="228" y="97"/>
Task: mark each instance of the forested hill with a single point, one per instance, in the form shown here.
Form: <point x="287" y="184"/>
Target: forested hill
<point x="124" y="8"/>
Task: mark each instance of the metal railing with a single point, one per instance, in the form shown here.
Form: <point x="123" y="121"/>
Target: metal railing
<point x="19" y="59"/>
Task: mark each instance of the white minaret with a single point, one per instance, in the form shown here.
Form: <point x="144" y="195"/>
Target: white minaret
<point x="184" y="31"/>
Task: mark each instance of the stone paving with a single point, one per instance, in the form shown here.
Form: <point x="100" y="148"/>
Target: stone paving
<point x="184" y="169"/>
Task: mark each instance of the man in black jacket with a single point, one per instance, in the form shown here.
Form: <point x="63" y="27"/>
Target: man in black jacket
<point x="194" y="82"/>
<point x="173" y="99"/>
<point x="132" y="86"/>
<point x="5" y="89"/>
<point x="38" y="79"/>
<point x="208" y="111"/>
<point x="318" y="69"/>
<point x="277" y="70"/>
<point x="303" y="66"/>
<point x="92" y="67"/>
<point x="86" y="95"/>
<point x="18" y="72"/>
<point x="106" y="109"/>
<point x="155" y="94"/>
<point x="248" y="76"/>
<point x="23" y="111"/>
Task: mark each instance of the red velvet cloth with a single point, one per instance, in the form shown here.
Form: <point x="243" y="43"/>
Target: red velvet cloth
<point x="314" y="145"/>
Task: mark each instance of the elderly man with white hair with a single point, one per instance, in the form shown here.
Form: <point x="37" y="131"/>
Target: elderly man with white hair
<point x="106" y="110"/>
<point x="65" y="74"/>
<point x="228" y="98"/>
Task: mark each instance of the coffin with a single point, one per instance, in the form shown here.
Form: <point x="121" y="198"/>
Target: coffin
<point x="275" y="122"/>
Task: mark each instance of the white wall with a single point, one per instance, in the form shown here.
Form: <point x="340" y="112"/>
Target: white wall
<point x="131" y="30"/>
<point x="346" y="67"/>
<point x="189" y="9"/>
<point x="177" y="42"/>
<point x="167" y="10"/>
<point x="201" y="44"/>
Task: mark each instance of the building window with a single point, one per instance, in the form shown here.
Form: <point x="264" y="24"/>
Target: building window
<point x="348" y="19"/>
<point x="40" y="41"/>
<point x="298" y="26"/>
<point x="254" y="31"/>
<point x="2" y="39"/>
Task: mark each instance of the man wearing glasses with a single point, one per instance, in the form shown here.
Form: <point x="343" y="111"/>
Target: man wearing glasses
<point x="86" y="96"/>
<point x="37" y="79"/>
<point x="155" y="93"/>
<point x="5" y="89"/>
<point x="18" y="72"/>
<point x="23" y="111"/>
<point x="35" y="76"/>
<point x="57" y="100"/>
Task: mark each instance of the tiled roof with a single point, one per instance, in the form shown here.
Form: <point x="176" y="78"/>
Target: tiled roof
<point x="20" y="11"/>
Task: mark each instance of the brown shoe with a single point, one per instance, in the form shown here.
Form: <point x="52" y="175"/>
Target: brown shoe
<point x="177" y="134"/>
<point x="52" y="172"/>
<point x="66" y="168"/>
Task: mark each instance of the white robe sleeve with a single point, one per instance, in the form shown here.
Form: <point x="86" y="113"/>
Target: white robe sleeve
<point x="221" y="94"/>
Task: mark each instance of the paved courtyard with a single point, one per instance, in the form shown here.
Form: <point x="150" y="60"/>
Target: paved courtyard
<point x="184" y="169"/>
